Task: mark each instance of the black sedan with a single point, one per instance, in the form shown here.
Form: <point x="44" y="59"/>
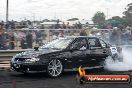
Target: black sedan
<point x="64" y="54"/>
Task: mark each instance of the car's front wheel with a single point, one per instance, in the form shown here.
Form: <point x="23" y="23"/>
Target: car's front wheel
<point x="54" y="68"/>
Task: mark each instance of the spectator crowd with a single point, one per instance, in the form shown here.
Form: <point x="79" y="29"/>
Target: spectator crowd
<point x="24" y="39"/>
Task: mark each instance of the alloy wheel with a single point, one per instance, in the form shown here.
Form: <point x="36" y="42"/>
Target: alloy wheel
<point x="54" y="68"/>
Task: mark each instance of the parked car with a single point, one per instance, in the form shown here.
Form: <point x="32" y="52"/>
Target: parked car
<point x="64" y="54"/>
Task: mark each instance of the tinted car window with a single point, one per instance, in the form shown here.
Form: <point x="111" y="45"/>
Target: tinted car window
<point x="79" y="44"/>
<point x="58" y="44"/>
<point x="103" y="44"/>
<point x="93" y="42"/>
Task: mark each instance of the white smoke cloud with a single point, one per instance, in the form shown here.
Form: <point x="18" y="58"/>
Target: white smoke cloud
<point x="126" y="65"/>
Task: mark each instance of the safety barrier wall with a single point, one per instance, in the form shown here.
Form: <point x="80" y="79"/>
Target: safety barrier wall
<point x="6" y="55"/>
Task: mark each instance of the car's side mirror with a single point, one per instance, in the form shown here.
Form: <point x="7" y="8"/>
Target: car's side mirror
<point x="73" y="48"/>
<point x="36" y="48"/>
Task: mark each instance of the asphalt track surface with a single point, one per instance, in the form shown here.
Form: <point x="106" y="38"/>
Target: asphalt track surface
<point x="10" y="79"/>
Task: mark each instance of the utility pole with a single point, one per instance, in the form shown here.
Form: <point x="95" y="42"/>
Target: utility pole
<point x="7" y="13"/>
<point x="7" y="10"/>
<point x="107" y="14"/>
<point x="55" y="18"/>
<point x="34" y="17"/>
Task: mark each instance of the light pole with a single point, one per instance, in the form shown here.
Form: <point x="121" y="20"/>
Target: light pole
<point x="107" y="14"/>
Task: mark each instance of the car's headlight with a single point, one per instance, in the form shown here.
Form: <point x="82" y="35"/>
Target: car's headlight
<point x="32" y="59"/>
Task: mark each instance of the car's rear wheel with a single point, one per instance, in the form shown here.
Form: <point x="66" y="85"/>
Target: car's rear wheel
<point x="102" y="64"/>
<point x="54" y="68"/>
<point x="118" y="57"/>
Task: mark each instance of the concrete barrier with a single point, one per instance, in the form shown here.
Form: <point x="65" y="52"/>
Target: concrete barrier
<point x="6" y="55"/>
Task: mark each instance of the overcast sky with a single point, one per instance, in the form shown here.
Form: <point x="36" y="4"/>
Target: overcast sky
<point x="61" y="9"/>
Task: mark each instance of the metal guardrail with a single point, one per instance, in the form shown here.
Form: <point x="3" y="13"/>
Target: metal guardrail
<point x="6" y="55"/>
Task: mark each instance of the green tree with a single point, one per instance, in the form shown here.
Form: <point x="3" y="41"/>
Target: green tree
<point x="99" y="19"/>
<point x="128" y="15"/>
<point x="115" y="21"/>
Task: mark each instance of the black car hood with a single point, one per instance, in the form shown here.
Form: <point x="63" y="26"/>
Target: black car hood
<point x="33" y="53"/>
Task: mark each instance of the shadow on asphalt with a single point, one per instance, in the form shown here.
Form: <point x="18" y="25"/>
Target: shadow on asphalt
<point x="8" y="77"/>
<point x="43" y="75"/>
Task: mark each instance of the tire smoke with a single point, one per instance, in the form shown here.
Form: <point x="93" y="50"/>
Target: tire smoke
<point x="126" y="65"/>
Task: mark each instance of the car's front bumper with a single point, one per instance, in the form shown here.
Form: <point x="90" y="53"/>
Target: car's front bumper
<point x="24" y="67"/>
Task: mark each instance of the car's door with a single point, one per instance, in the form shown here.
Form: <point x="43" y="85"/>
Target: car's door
<point x="105" y="47"/>
<point x="97" y="52"/>
<point x="89" y="59"/>
<point x="77" y="49"/>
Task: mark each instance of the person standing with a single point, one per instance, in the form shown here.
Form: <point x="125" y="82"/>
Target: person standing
<point x="61" y="34"/>
<point x="63" y="25"/>
<point x="39" y="38"/>
<point x="114" y="38"/>
<point x="23" y="43"/>
<point x="79" y="25"/>
<point x="83" y="33"/>
<point x="68" y="25"/>
<point x="2" y="39"/>
<point x="29" y="40"/>
<point x="11" y="40"/>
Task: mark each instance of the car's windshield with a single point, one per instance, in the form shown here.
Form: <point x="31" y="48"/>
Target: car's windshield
<point x="58" y="44"/>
